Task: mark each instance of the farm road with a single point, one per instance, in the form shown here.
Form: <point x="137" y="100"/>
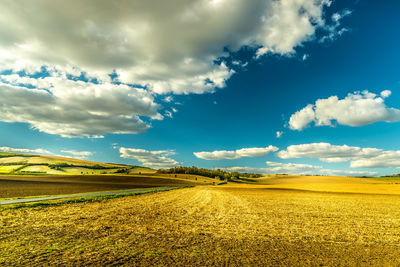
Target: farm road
<point x="36" y="199"/>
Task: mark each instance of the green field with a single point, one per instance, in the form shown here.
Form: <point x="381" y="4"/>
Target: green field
<point x="23" y="164"/>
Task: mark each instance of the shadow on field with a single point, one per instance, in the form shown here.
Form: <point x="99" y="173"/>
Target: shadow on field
<point x="21" y="186"/>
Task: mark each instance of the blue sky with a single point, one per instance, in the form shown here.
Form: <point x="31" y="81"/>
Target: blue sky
<point x="213" y="76"/>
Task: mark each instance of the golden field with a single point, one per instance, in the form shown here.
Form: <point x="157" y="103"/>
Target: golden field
<point x="234" y="224"/>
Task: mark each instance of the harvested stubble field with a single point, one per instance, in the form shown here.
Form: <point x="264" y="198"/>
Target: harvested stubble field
<point x="22" y="186"/>
<point x="226" y="225"/>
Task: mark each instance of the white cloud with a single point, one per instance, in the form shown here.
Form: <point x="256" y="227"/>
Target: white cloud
<point x="78" y="154"/>
<point x="24" y="150"/>
<point x="279" y="134"/>
<point x="168" y="114"/>
<point x="75" y="108"/>
<point x="302" y="118"/>
<point x="239" y="63"/>
<point x="327" y="152"/>
<point x="386" y="93"/>
<point x="155" y="159"/>
<point x="168" y="99"/>
<point x="277" y="167"/>
<point x="170" y="47"/>
<point x="298" y="169"/>
<point x="386" y="159"/>
<point x="334" y="30"/>
<point x="357" y="109"/>
<point x="347" y="173"/>
<point x="358" y="157"/>
<point x="236" y="154"/>
<point x="305" y="57"/>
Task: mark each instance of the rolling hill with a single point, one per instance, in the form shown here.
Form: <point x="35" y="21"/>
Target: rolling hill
<point x="26" y="164"/>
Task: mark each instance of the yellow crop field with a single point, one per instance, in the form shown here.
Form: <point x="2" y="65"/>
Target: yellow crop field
<point x="141" y="170"/>
<point x="13" y="159"/>
<point x="233" y="224"/>
<point x="9" y="168"/>
<point x="40" y="169"/>
<point x="81" y="170"/>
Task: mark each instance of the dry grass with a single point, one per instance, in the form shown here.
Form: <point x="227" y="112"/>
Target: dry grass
<point x="53" y="160"/>
<point x="141" y="170"/>
<point x="227" y="225"/>
<point x="337" y="184"/>
<point x="13" y="159"/>
<point x="80" y="170"/>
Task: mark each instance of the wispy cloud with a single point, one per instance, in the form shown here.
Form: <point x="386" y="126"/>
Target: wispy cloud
<point x="78" y="154"/>
<point x="24" y="150"/>
<point x="236" y="154"/>
<point x="358" y="157"/>
<point x="296" y="168"/>
<point x="75" y="108"/>
<point x="155" y="159"/>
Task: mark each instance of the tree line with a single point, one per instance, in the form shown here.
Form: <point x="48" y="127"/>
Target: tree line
<point x="217" y="174"/>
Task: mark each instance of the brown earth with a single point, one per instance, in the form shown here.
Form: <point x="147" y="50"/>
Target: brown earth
<point x="22" y="186"/>
<point x="235" y="225"/>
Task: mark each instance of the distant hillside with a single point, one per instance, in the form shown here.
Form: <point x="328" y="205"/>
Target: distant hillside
<point x="25" y="164"/>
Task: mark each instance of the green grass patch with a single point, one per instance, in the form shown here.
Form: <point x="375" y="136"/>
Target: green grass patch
<point x="49" y="203"/>
<point x="387" y="178"/>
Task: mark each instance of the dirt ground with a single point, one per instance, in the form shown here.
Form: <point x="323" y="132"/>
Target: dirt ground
<point x="21" y="186"/>
<point x="236" y="225"/>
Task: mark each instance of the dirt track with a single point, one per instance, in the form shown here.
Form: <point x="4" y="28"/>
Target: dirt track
<point x="209" y="226"/>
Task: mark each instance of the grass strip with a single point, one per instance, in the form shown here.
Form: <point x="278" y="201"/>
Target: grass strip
<point x="387" y="178"/>
<point x="49" y="203"/>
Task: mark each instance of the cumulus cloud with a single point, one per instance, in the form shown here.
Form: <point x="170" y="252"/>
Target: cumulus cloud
<point x="24" y="150"/>
<point x="347" y="173"/>
<point x="170" y="47"/>
<point x="277" y="167"/>
<point x="386" y="93"/>
<point x="75" y="108"/>
<point x="358" y="157"/>
<point x="302" y="118"/>
<point x="154" y="159"/>
<point x="236" y="154"/>
<point x="386" y="159"/>
<point x="298" y="169"/>
<point x="357" y="109"/>
<point x="78" y="154"/>
<point x="115" y="55"/>
<point x="327" y="152"/>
